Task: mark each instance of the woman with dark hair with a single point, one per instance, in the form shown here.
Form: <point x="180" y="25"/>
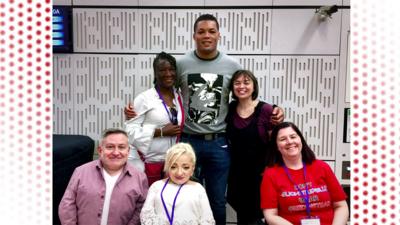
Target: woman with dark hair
<point x="248" y="126"/>
<point x="296" y="187"/>
<point x="159" y="119"/>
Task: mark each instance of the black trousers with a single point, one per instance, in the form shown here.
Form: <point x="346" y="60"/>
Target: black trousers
<point x="244" y="219"/>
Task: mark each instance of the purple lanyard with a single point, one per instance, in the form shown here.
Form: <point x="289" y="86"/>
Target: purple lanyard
<point x="165" y="105"/>
<point x="170" y="218"/>
<point x="305" y="197"/>
<point x="170" y="114"/>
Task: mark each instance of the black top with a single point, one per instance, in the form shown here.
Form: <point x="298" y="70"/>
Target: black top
<point x="248" y="160"/>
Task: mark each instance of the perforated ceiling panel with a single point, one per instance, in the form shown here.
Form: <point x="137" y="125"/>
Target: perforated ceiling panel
<point x="150" y="31"/>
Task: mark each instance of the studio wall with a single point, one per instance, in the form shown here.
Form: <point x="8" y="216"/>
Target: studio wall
<point x="300" y="61"/>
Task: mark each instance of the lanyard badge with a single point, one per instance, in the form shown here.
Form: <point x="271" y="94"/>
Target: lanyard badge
<point x="310" y="222"/>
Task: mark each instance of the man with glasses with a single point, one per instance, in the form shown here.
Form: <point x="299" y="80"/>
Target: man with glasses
<point x="107" y="191"/>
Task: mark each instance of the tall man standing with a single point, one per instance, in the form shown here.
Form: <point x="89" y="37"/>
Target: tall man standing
<point x="107" y="191"/>
<point x="203" y="76"/>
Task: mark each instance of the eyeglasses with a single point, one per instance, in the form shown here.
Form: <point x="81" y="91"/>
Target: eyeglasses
<point x="174" y="115"/>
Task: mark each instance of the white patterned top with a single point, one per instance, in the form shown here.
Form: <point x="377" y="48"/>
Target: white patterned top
<point x="191" y="208"/>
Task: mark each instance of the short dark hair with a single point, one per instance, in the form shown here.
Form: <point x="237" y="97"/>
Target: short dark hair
<point x="163" y="56"/>
<point x="248" y="74"/>
<point x="205" y="17"/>
<point x="307" y="154"/>
<point x="109" y="131"/>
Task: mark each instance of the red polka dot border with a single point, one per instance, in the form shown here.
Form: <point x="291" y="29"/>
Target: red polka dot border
<point x="26" y="124"/>
<point x="375" y="72"/>
<point x="25" y="112"/>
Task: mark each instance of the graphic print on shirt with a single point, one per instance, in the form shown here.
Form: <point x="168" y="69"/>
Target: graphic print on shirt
<point x="319" y="197"/>
<point x="204" y="97"/>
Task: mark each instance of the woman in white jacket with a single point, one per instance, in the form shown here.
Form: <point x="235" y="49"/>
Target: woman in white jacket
<point x="159" y="120"/>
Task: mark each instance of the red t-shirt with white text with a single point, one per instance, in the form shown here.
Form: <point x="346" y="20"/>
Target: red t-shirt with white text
<point x="277" y="191"/>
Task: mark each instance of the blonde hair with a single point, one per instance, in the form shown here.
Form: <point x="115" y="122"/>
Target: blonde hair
<point x="175" y="152"/>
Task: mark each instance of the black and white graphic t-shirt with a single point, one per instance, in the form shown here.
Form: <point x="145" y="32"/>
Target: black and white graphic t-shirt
<point x="204" y="87"/>
<point x="205" y="91"/>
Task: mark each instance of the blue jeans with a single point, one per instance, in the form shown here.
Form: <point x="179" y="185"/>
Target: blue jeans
<point x="212" y="169"/>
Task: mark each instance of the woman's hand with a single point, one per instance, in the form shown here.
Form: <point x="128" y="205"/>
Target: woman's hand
<point x="272" y="217"/>
<point x="129" y="111"/>
<point x="168" y="130"/>
<point x="171" y="130"/>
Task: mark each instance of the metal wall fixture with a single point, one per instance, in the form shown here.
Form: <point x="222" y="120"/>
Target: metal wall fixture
<point x="326" y="11"/>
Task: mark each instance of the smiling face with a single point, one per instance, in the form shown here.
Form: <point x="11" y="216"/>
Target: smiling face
<point x="289" y="143"/>
<point x="165" y="74"/>
<point x="243" y="87"/>
<point x="182" y="169"/>
<point x="113" y="152"/>
<point x="206" y="37"/>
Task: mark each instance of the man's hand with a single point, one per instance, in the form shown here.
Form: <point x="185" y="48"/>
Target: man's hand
<point x="129" y="111"/>
<point x="277" y="115"/>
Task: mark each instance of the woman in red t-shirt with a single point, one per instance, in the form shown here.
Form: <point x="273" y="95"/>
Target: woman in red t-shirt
<point x="297" y="188"/>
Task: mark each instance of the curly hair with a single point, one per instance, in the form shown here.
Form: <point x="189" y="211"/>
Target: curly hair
<point x="163" y="56"/>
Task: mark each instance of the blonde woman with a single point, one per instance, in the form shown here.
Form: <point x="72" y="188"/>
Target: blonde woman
<point x="176" y="199"/>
